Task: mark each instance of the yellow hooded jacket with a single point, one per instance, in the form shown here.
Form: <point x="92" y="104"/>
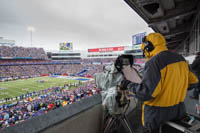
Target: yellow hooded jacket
<point x="164" y="84"/>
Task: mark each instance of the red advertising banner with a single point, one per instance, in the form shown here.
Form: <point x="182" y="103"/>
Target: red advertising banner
<point x="110" y="49"/>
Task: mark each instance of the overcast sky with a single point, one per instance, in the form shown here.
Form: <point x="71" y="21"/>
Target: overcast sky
<point x="85" y="23"/>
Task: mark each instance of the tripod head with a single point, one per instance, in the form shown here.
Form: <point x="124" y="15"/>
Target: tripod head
<point x="123" y="100"/>
<point x="118" y="121"/>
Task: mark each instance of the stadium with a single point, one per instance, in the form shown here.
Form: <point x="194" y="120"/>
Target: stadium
<point x="33" y="84"/>
<point x="55" y="91"/>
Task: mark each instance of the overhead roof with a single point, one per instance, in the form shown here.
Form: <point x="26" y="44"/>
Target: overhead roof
<point x="172" y="18"/>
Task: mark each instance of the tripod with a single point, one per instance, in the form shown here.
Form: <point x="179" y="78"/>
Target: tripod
<point x="115" y="121"/>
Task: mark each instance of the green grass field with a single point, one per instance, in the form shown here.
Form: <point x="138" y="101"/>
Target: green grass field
<point x="18" y="87"/>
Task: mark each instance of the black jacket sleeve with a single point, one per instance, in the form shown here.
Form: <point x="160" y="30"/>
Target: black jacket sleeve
<point x="150" y="80"/>
<point x="196" y="64"/>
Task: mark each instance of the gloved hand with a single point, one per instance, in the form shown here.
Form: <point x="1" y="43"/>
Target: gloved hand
<point x="118" y="97"/>
<point x="124" y="84"/>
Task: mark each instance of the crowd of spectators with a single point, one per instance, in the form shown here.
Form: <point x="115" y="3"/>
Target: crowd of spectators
<point x="33" y="70"/>
<point x="43" y="102"/>
<point x="98" y="60"/>
<point x="36" y="61"/>
<point x="21" y="68"/>
<point x="22" y="61"/>
<point x="37" y="53"/>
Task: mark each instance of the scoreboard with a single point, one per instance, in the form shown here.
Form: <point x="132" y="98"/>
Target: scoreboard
<point x="137" y="39"/>
<point x="65" y="46"/>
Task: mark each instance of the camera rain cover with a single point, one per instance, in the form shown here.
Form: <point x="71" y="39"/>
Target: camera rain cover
<point x="108" y="81"/>
<point x="109" y="78"/>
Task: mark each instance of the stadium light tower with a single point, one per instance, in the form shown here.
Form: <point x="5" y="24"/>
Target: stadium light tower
<point x="31" y="29"/>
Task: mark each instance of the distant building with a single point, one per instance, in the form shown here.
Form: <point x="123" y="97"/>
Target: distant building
<point x="5" y="42"/>
<point x="64" y="55"/>
<point x="137" y="53"/>
<point x="65" y="52"/>
<point x="108" y="52"/>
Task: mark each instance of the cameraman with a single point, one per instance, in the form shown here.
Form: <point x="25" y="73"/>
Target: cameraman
<point x="166" y="78"/>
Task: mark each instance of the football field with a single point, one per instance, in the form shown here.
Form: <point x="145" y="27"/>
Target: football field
<point x="15" y="88"/>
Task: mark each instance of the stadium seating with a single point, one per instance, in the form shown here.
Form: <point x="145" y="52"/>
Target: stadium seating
<point x="41" y="102"/>
<point x="34" y="53"/>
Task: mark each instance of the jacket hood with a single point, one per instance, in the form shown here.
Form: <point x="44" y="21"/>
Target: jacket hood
<point x="158" y="42"/>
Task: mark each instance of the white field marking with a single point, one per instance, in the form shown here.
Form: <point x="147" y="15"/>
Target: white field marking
<point x="13" y="89"/>
<point x="6" y="93"/>
<point x="25" y="89"/>
<point x="9" y="95"/>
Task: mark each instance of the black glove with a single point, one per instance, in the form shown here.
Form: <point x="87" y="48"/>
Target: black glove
<point x="121" y="103"/>
<point x="118" y="97"/>
<point x="124" y="84"/>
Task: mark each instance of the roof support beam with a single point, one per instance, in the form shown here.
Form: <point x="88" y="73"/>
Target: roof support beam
<point x="172" y="17"/>
<point x="177" y="31"/>
<point x="172" y="42"/>
<point x="175" y="34"/>
<point x="182" y="9"/>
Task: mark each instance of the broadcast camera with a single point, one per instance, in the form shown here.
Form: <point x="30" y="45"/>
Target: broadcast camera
<point x="116" y="102"/>
<point x="113" y="99"/>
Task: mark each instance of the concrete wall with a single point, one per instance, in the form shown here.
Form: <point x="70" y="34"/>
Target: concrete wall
<point x="88" y="121"/>
<point x="84" y="116"/>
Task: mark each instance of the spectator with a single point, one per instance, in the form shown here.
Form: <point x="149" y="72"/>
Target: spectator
<point x="196" y="69"/>
<point x="48" y="100"/>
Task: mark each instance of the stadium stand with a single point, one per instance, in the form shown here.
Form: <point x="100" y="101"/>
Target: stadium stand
<point x="43" y="102"/>
<point x="19" y="52"/>
<point x="20" y="63"/>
